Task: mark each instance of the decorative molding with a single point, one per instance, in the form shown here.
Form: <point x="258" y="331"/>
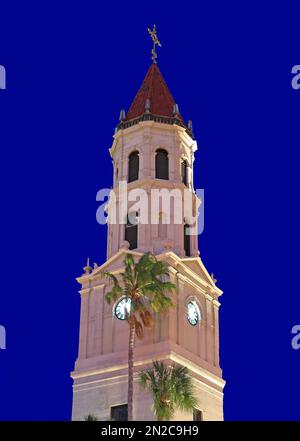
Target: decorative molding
<point x="84" y="291"/>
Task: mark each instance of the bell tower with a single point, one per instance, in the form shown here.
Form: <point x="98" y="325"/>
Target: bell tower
<point x="153" y="153"/>
<point x="153" y="149"/>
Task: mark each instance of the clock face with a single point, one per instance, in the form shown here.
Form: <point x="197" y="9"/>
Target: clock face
<point x="193" y="313"/>
<point x="122" y="307"/>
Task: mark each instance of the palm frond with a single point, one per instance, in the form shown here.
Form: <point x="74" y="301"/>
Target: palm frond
<point x="146" y="318"/>
<point x="139" y="330"/>
<point x="110" y="276"/>
<point x="90" y="417"/>
<point x="171" y="387"/>
<point x="114" y="294"/>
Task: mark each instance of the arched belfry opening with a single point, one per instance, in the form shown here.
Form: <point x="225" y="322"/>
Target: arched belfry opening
<point x="133" y="166"/>
<point x="161" y="164"/>
<point x="131" y="230"/>
<point x="184" y="171"/>
<point x="187" y="240"/>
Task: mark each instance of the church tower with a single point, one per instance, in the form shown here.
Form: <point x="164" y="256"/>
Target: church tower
<point x="153" y="150"/>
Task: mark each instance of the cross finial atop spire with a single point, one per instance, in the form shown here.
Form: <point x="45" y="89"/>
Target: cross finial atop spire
<point x="155" y="42"/>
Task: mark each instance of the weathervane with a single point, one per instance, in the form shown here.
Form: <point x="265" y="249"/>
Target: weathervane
<point x="155" y="42"/>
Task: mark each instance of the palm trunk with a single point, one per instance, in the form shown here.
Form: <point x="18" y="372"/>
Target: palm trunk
<point x="130" y="370"/>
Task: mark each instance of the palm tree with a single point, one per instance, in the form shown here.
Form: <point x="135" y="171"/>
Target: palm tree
<point x="171" y="387"/>
<point x="144" y="283"/>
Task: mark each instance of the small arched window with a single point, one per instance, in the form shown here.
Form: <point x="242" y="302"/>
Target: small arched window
<point x="131" y="231"/>
<point x="184" y="171"/>
<point x="161" y="164"/>
<point x="133" y="166"/>
<point x="187" y="240"/>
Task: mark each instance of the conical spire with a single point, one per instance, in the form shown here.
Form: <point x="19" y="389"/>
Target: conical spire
<point x="153" y="101"/>
<point x="155" y="97"/>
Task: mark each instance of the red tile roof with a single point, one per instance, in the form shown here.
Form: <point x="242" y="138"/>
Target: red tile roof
<point x="154" y="88"/>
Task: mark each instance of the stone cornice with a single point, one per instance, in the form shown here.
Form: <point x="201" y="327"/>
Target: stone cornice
<point x="155" y="125"/>
<point x="84" y="291"/>
<point x="207" y="287"/>
<point x="181" y="270"/>
<point x="114" y="362"/>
